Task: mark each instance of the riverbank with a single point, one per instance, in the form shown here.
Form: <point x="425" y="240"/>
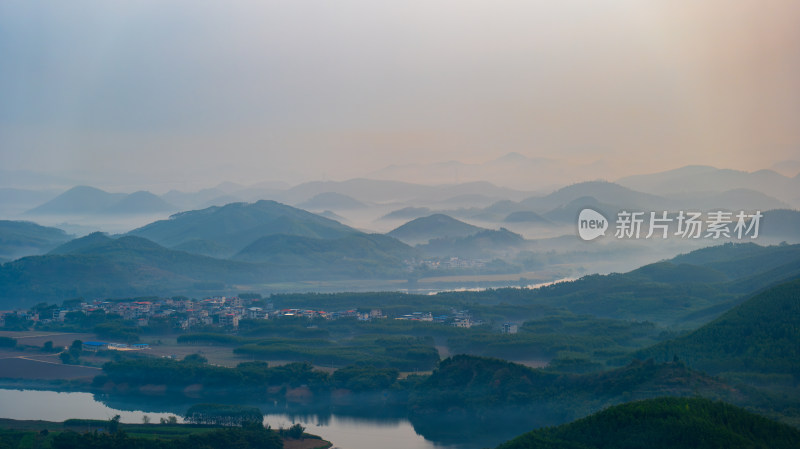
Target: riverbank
<point x="36" y="430"/>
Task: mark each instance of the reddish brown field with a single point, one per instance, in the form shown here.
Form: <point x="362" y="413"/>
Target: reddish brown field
<point x="59" y="339"/>
<point x="38" y="365"/>
<point x="23" y="367"/>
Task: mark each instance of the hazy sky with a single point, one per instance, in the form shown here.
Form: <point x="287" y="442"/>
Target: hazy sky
<point x="195" y="92"/>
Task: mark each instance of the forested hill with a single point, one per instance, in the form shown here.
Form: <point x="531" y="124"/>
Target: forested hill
<point x="685" y="292"/>
<point x="23" y="238"/>
<point x="234" y="226"/>
<point x="664" y="423"/>
<point x="760" y="335"/>
<point x="470" y="383"/>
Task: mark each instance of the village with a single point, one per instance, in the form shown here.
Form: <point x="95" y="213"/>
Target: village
<point x="220" y="312"/>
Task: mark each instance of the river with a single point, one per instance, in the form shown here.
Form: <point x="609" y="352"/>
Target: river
<point x="345" y="432"/>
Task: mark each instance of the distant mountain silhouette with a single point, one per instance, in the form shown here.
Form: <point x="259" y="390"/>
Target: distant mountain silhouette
<point x="377" y="191"/>
<point x="331" y="200"/>
<point x="89" y="200"/>
<point x="731" y="200"/>
<point x="407" y="213"/>
<point x="513" y="169"/>
<point x="525" y="216"/>
<point x="485" y="244"/>
<point x="139" y="203"/>
<point x="237" y="225"/>
<point x="564" y="204"/>
<point x="434" y="226"/>
<point x="699" y="179"/>
<point x="15" y="201"/>
<point x="23" y="238"/>
<point x="781" y="224"/>
<point x="568" y="213"/>
<point x="197" y="200"/>
<point x="78" y="200"/>
<point x="604" y="192"/>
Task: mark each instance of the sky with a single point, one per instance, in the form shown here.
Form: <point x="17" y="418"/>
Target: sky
<point x="159" y="94"/>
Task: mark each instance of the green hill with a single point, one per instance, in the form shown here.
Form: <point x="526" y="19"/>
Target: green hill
<point x="237" y="225"/>
<point x="205" y="248"/>
<point x="670" y="272"/>
<point x="760" y="335"/>
<point x="369" y="254"/>
<point x="434" y="226"/>
<point x="481" y="245"/>
<point x="478" y="383"/>
<point x="99" y="266"/>
<point x="739" y="260"/>
<point x="664" y="423"/>
<point x="674" y="292"/>
<point x="23" y="238"/>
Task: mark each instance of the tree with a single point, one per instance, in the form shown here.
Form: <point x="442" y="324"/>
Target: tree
<point x="66" y="359"/>
<point x="296" y="431"/>
<point x="113" y="424"/>
<point x="145" y="419"/>
<point x="195" y="358"/>
<point x="224" y="415"/>
<point x="171" y="420"/>
<point x="14" y="322"/>
<point x="47" y="346"/>
<point x="76" y="347"/>
<point x="73" y="353"/>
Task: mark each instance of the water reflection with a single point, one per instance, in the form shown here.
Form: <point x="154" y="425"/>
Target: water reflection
<point x="360" y="425"/>
<point x="55" y="406"/>
<point x="347" y="428"/>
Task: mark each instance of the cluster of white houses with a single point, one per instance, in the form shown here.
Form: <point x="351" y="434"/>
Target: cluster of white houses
<point x="220" y="311"/>
<point x="94" y="346"/>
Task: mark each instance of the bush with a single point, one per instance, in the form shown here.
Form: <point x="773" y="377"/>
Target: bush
<point x="7" y="342"/>
<point x="224" y="415"/>
<point x="296" y="431"/>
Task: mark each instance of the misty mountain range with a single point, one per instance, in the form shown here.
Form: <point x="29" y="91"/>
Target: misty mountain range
<point x="371" y="205"/>
<point x="83" y="200"/>
<point x="267" y="241"/>
<point x="687" y="187"/>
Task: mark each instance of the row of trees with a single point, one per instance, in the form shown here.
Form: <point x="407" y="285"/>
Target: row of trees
<point x="244" y="378"/>
<point x="224" y="415"/>
<point x="251" y="435"/>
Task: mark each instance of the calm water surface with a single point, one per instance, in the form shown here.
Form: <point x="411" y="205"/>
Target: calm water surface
<point x="343" y="432"/>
